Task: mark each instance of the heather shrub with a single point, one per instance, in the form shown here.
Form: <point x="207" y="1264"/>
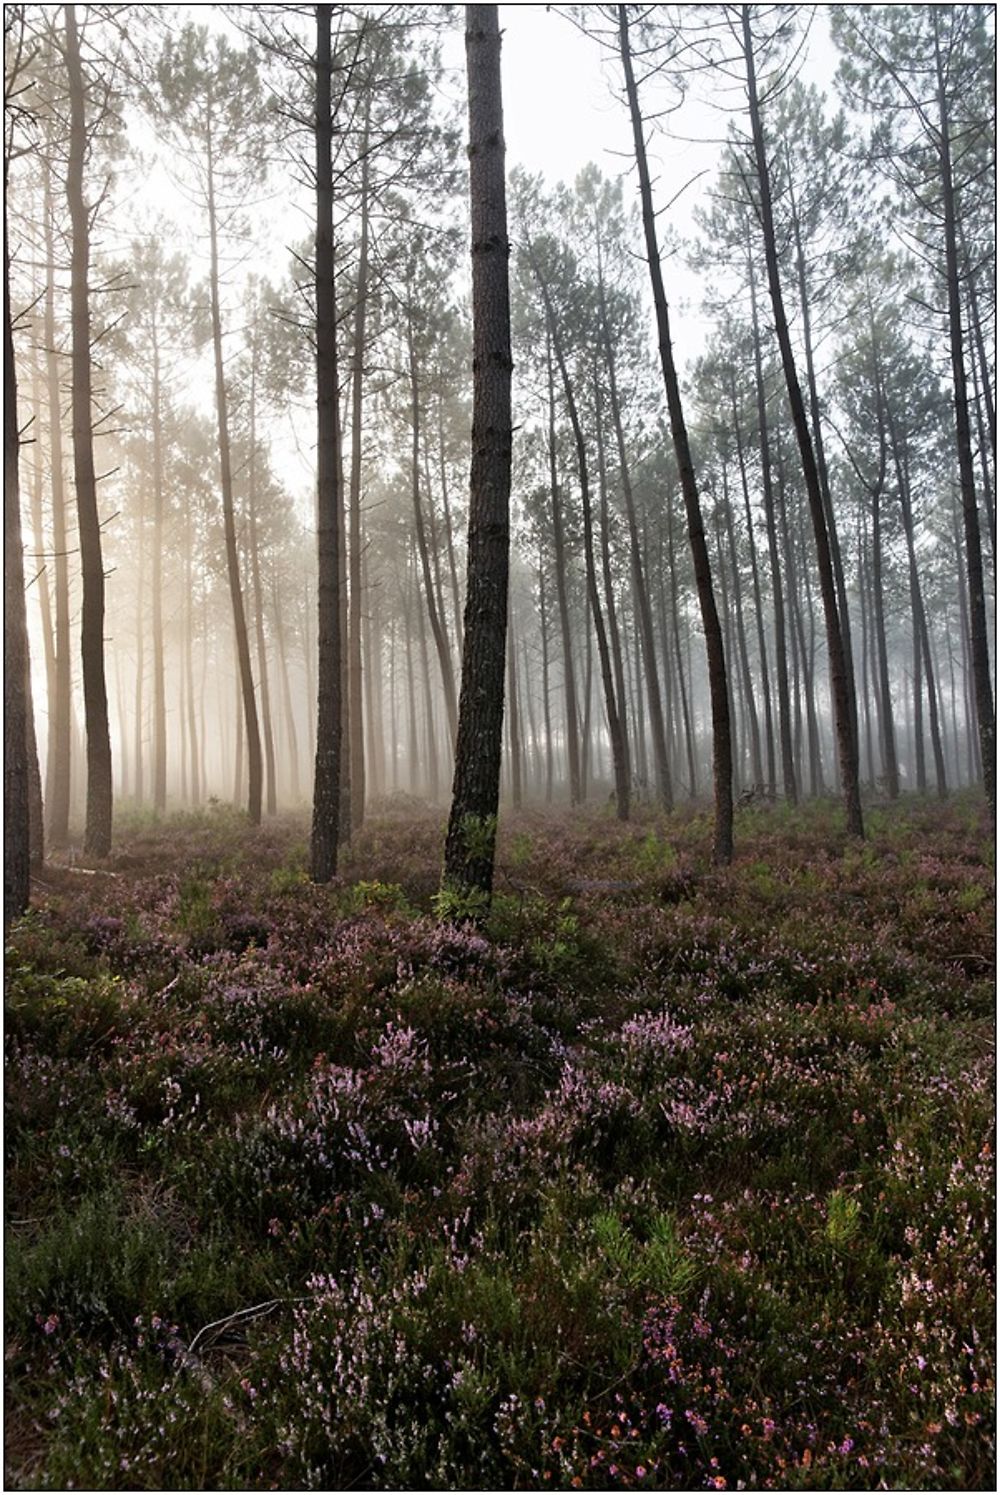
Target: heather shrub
<point x="667" y="1176"/>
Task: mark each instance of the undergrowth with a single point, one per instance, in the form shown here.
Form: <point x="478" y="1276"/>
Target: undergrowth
<point x="669" y="1176"/>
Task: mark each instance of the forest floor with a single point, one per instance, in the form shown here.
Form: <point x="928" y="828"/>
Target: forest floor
<point x="672" y="1177"/>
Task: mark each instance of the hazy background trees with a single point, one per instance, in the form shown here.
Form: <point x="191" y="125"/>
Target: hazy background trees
<point x="846" y="241"/>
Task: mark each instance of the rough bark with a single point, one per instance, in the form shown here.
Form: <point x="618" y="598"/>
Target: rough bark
<point x="16" y="841"/>
<point x="97" y="832"/>
<point x="326" y="785"/>
<point x="978" y="636"/>
<point x="61" y="720"/>
<point x="470" y="841"/>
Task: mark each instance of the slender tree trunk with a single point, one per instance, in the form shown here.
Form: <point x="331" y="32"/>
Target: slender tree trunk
<point x="756" y="761"/>
<point x="757" y="601"/>
<point x="978" y="636"/>
<point x="159" y="689"/>
<point x="889" y="758"/>
<point x="866" y="694"/>
<point x="718" y="688"/>
<point x="920" y="630"/>
<point x="354" y="662"/>
<point x="239" y="774"/>
<point x="821" y="466"/>
<point x="609" y="589"/>
<point x="456" y="594"/>
<point x="286" y="694"/>
<point x="16" y="813"/>
<point x="844" y="716"/>
<point x="546" y="703"/>
<point x="573" y="746"/>
<point x="97" y="834"/>
<point x="433" y="784"/>
<point x="192" y="718"/>
<point x="248" y="696"/>
<point x="139" y="725"/>
<point x="514" y="717"/>
<point x="326" y="788"/>
<point x="61" y="718"/>
<point x="430" y="596"/>
<point x="679" y="661"/>
<point x="41" y="565"/>
<point x="789" y="783"/>
<point x="613" y="708"/>
<point x="414" y="747"/>
<point x="263" y="675"/>
<point x="664" y="787"/>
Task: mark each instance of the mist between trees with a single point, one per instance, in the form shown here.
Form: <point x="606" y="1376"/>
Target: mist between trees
<point x="817" y="476"/>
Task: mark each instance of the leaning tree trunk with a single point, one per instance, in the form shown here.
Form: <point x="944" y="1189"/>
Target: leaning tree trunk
<point x="97" y="832"/>
<point x="839" y="681"/>
<point x="721" y="734"/>
<point x="471" y="838"/>
<point x="326" y="789"/>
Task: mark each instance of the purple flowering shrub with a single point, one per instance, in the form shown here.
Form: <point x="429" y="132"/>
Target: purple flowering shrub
<point x="669" y="1176"/>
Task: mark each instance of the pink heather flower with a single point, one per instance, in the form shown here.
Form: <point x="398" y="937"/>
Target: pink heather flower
<point x="640" y="1471"/>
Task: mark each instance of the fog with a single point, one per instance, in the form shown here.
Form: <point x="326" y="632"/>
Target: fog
<point x="193" y="151"/>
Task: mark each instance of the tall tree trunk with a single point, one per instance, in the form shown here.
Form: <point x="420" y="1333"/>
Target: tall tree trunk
<point x="546" y="704"/>
<point x="920" y="631"/>
<point x="765" y="683"/>
<point x="430" y="596"/>
<point x="717" y="677"/>
<point x="573" y="744"/>
<point x="248" y="696"/>
<point x="613" y="708"/>
<point x="372" y="674"/>
<point x="61" y="719"/>
<point x="692" y="762"/>
<point x="844" y="715"/>
<point x="16" y="815"/>
<point x="326" y="790"/>
<point x="456" y="595"/>
<point x="139" y="724"/>
<point x="978" y="636"/>
<point x="97" y="833"/>
<point x="286" y="695"/>
<point x="821" y="466"/>
<point x="753" y="720"/>
<point x="432" y="787"/>
<point x="159" y="687"/>
<point x="41" y="560"/>
<point x="192" y="716"/>
<point x="270" y="777"/>
<point x="514" y="717"/>
<point x="889" y="759"/>
<point x="609" y="589"/>
<point x="355" y="681"/>
<point x="789" y="783"/>
<point x="664" y="787"/>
